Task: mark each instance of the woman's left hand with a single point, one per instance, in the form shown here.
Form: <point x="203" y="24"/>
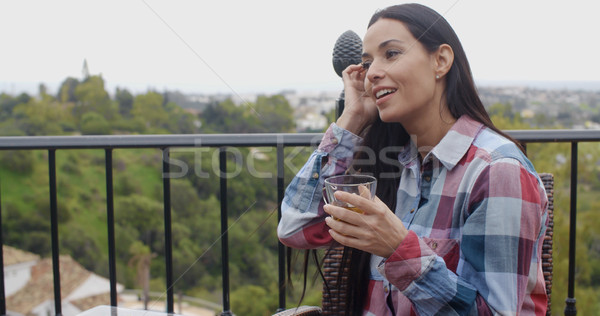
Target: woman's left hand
<point x="378" y="230"/>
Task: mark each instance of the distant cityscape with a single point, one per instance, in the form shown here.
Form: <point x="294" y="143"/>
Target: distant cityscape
<point x="565" y="106"/>
<point x="573" y="105"/>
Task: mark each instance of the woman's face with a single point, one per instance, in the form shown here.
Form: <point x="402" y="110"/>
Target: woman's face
<point x="400" y="74"/>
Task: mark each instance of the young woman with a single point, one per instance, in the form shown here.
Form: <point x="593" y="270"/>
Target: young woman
<point x="460" y="214"/>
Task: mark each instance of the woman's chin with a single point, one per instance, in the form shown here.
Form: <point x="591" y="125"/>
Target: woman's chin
<point x="386" y="117"/>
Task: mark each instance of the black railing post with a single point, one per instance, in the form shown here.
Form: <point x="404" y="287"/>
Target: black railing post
<point x="281" y="248"/>
<point x="54" y="230"/>
<point x="2" y="292"/>
<point x="110" y="222"/>
<point x="168" y="234"/>
<point x="570" y="308"/>
<point x="224" y="235"/>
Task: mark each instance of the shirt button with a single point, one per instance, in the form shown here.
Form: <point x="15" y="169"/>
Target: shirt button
<point x="334" y="141"/>
<point x="427" y="178"/>
<point x="315" y="175"/>
<point x="412" y="211"/>
<point x="386" y="290"/>
<point x="434" y="245"/>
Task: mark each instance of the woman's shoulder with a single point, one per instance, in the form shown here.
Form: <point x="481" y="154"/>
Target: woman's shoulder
<point x="493" y="147"/>
<point x="496" y="145"/>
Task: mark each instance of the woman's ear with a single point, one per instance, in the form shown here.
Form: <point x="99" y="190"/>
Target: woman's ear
<point x="443" y="58"/>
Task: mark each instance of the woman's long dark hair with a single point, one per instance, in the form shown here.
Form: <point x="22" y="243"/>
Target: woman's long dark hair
<point x="431" y="30"/>
<point x="378" y="157"/>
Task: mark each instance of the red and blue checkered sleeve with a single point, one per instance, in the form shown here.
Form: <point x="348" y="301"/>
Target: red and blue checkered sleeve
<point x="302" y="222"/>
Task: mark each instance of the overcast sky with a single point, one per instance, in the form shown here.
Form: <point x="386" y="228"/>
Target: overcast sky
<point x="265" y="46"/>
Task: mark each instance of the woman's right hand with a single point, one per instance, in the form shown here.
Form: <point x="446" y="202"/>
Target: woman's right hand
<point x="359" y="107"/>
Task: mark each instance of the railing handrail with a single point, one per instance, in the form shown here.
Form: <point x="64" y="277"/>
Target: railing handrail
<point x="242" y="140"/>
<point x="158" y="141"/>
<point x="555" y="135"/>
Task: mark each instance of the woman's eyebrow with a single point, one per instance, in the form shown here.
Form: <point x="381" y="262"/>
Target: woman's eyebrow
<point x="383" y="45"/>
<point x="388" y="42"/>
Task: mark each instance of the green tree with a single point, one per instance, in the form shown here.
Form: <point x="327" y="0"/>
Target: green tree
<point x="39" y="117"/>
<point x="268" y="115"/>
<point x="150" y="108"/>
<point x="224" y="117"/>
<point x="141" y="214"/>
<point x="43" y="91"/>
<point x="141" y="259"/>
<point x="181" y="122"/>
<point x="125" y="100"/>
<point x="77" y="242"/>
<point x="26" y="230"/>
<point x="92" y="97"/>
<point x="91" y="92"/>
<point x="8" y="103"/>
<point x="273" y="114"/>
<point x="66" y="92"/>
<point x="93" y="123"/>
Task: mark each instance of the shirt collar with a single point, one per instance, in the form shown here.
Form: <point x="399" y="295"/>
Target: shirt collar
<point x="455" y="144"/>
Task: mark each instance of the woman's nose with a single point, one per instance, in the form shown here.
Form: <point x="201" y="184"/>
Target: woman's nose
<point x="375" y="72"/>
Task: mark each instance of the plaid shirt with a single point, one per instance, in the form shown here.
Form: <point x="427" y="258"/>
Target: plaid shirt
<point x="476" y="214"/>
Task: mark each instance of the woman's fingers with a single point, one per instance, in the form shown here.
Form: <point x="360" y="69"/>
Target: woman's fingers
<point x="354" y="76"/>
<point x="353" y="68"/>
<point x="343" y="214"/>
<point x="374" y="228"/>
<point x="362" y="201"/>
<point x="359" y="110"/>
<point x="343" y="225"/>
<point x="349" y="222"/>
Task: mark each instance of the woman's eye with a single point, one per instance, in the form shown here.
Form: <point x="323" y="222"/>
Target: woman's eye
<point x="366" y="64"/>
<point x="392" y="53"/>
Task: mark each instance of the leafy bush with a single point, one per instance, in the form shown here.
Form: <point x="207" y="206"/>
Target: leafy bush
<point x="18" y="160"/>
<point x="94" y="124"/>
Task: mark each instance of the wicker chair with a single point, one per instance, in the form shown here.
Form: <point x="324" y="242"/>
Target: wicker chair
<point x="333" y="302"/>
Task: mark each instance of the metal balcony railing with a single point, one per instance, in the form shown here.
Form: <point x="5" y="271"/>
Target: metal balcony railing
<point x="223" y="141"/>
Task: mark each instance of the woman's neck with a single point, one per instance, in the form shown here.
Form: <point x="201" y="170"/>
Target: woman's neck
<point x="427" y="136"/>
